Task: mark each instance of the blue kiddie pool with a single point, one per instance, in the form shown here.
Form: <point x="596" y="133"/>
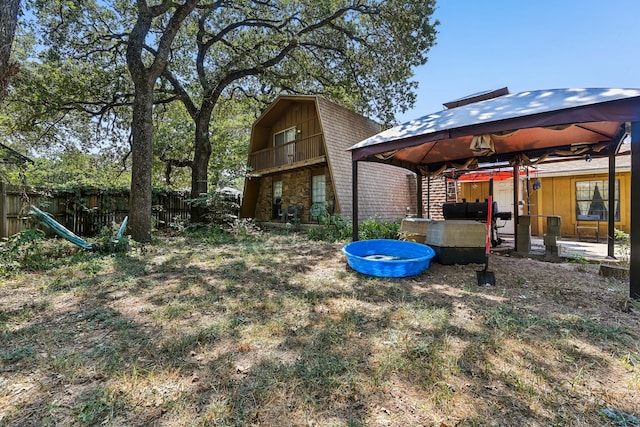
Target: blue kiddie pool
<point x="388" y="258"/>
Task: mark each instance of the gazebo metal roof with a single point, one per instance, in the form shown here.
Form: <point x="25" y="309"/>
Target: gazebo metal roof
<point x="519" y="129"/>
<point x="535" y="123"/>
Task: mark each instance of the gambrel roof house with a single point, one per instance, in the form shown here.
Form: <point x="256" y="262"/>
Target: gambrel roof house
<point x="299" y="165"/>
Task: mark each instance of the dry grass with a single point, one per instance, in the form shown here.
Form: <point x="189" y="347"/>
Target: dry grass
<point x="274" y="330"/>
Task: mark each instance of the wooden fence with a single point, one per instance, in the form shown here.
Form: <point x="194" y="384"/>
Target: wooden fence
<point x="84" y="212"/>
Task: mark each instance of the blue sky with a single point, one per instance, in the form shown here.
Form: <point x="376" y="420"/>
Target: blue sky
<point x="528" y="45"/>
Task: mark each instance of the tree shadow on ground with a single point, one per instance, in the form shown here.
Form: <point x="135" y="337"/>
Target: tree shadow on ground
<point x="237" y="335"/>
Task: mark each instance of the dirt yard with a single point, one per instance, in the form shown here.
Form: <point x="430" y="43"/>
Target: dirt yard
<point x="276" y="330"/>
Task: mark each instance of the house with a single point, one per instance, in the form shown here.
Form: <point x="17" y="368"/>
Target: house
<point x="576" y="191"/>
<point x="299" y="166"/>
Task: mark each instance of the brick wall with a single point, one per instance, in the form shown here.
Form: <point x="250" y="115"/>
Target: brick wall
<point x="438" y="195"/>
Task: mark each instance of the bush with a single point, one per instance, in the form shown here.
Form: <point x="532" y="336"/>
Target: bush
<point x="334" y="228"/>
<point x="239" y="230"/>
<point x="378" y="229"/>
<point x="28" y="250"/>
<point x="220" y="207"/>
<point x="623" y="245"/>
<point x="109" y="244"/>
<point x="22" y="250"/>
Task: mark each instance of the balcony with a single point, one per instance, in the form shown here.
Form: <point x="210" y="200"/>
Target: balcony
<point x="298" y="153"/>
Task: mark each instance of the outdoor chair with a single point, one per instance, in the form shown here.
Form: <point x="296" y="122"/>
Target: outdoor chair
<point x="588" y="222"/>
<point x="291" y="213"/>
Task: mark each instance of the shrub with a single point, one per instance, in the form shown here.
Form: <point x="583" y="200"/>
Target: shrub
<point x="623" y="245"/>
<point x="28" y="250"/>
<point x="220" y="207"/>
<point x="21" y="251"/>
<point x="109" y="244"/>
<point x="334" y="228"/>
<point x="378" y="229"/>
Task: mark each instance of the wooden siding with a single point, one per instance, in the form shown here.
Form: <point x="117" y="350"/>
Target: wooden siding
<point x="557" y="196"/>
<point x="302" y="150"/>
<point x="302" y="116"/>
<point x="385" y="191"/>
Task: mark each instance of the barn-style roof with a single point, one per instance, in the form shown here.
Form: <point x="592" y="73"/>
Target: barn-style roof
<point x="386" y="190"/>
<point x="387" y="197"/>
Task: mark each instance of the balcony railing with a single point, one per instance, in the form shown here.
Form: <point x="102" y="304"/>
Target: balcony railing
<point x="292" y="153"/>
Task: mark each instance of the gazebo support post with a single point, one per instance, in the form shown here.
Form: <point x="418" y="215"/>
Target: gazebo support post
<point x="616" y="142"/>
<point x="612" y="203"/>
<point x="634" y="265"/>
<point x="516" y="210"/>
<point x="354" y="197"/>
<point x="419" y="195"/>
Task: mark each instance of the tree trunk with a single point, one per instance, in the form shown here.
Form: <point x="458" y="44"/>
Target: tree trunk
<point x="142" y="159"/>
<point x="200" y="167"/>
<point x="144" y="79"/>
<point x="8" y="21"/>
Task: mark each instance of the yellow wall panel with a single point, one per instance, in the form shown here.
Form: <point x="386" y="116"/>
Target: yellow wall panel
<point x="557" y="196"/>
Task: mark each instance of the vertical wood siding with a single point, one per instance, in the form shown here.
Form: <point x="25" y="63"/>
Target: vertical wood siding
<point x="557" y="196"/>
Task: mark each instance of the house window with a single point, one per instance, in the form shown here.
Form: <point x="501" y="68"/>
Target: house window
<point x="285" y="136"/>
<point x="276" y="201"/>
<point x="286" y="153"/>
<point x="592" y="198"/>
<point x="318" y="195"/>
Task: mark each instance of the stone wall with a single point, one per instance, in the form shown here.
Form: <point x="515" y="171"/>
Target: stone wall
<point x="296" y="189"/>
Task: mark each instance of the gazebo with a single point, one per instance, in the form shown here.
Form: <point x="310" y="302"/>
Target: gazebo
<point x="495" y="129"/>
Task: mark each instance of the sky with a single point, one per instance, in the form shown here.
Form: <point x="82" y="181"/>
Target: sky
<point x="528" y="45"/>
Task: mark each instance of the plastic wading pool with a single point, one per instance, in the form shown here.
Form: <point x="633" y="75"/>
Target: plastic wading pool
<point x="388" y="258"/>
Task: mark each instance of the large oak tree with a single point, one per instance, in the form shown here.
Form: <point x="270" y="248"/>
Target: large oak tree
<point x="144" y="75"/>
<point x="360" y="53"/>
